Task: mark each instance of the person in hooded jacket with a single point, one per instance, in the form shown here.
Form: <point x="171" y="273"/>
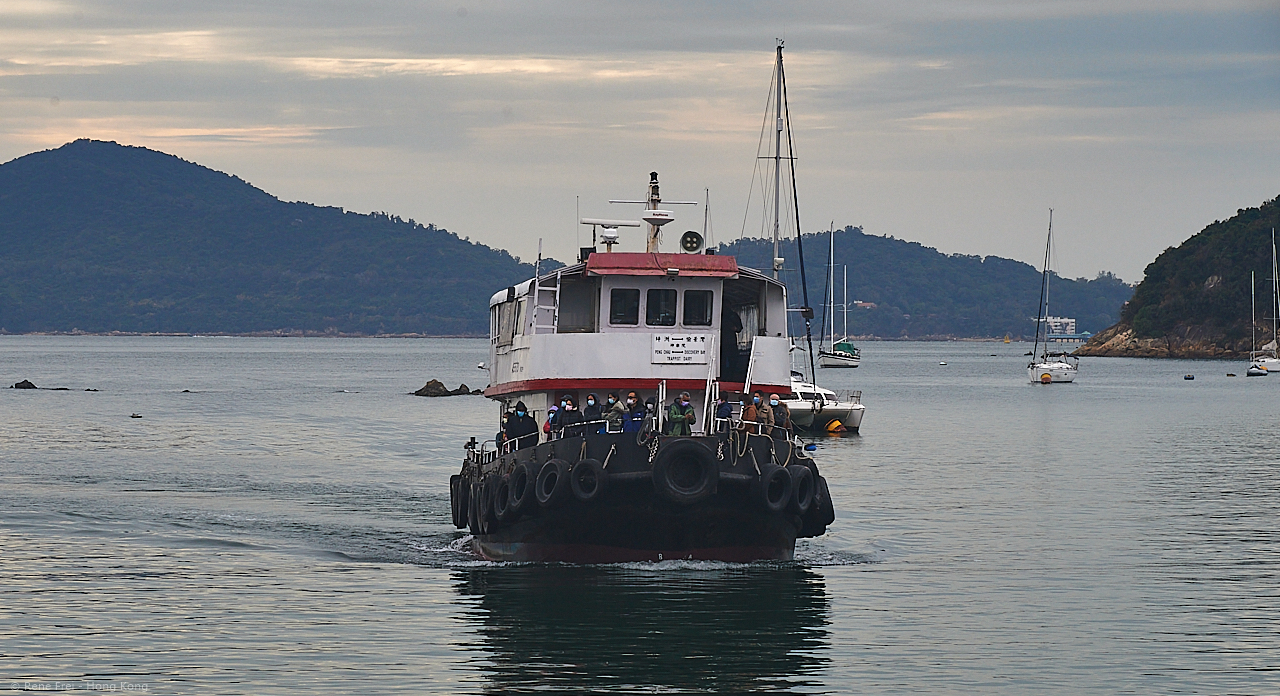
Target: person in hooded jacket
<point x="615" y="413"/>
<point x="570" y="420"/>
<point x="521" y="429"/>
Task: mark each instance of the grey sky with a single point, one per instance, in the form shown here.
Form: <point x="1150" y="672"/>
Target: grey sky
<point x="956" y="124"/>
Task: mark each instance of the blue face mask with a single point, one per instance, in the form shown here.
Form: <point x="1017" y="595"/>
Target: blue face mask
<point x="773" y="402"/>
<point x="591" y="402"/>
<point x="520" y="414"/>
<point x="755" y="399"/>
<point x="612" y="401"/>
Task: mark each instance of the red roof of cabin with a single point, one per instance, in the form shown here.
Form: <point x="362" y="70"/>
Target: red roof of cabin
<point x="643" y="264"/>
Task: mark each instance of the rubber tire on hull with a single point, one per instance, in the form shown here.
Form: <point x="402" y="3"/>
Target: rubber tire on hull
<point x="457" y="503"/>
<point x="552" y="486"/>
<point x="522" y="483"/>
<point x="588" y="480"/>
<point x="685" y="472"/>
<point x="473" y="508"/>
<point x="802" y="489"/>
<point x="488" y="518"/>
<point x="502" y="501"/>
<point x="774" y="488"/>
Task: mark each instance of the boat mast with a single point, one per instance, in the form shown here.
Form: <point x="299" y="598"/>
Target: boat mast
<point x="1275" y="295"/>
<point x="1041" y="309"/>
<point x="844" y="323"/>
<point x="1253" y="317"/>
<point x="777" y="156"/>
<point x="831" y="283"/>
<point x="655" y="199"/>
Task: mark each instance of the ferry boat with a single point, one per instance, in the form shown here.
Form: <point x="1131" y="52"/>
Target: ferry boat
<point x="646" y="489"/>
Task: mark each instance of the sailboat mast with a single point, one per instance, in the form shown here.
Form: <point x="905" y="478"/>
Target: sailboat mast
<point x="1253" y="317"/>
<point x="831" y="283"/>
<point x="1275" y="294"/>
<point x="844" y="304"/>
<point x="777" y="158"/>
<point x="1041" y="314"/>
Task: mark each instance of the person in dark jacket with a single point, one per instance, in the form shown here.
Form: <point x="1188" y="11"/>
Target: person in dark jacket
<point x="724" y="411"/>
<point x="633" y="419"/>
<point x="521" y="429"/>
<point x="592" y="411"/>
<point x="781" y="418"/>
<point x="570" y="420"/>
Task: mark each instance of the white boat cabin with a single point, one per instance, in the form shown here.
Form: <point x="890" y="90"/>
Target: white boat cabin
<point x="643" y="322"/>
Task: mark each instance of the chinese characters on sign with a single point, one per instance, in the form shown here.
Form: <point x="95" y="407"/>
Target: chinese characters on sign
<point x="687" y="349"/>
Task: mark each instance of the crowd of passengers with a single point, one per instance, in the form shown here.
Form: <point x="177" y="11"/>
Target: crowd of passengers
<point x="613" y="415"/>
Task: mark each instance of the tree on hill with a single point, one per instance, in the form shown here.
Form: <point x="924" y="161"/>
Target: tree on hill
<point x="920" y="292"/>
<point x="101" y="237"/>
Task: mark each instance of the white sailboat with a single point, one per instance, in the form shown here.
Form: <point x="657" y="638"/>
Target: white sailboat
<point x="1050" y="366"/>
<point x="1266" y="357"/>
<point x="839" y="352"/>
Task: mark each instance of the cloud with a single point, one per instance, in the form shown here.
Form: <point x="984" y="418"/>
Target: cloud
<point x="1148" y="118"/>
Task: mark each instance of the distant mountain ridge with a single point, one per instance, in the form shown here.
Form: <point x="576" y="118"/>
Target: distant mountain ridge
<point x="920" y="292"/>
<point x="102" y="237"/>
<point x="1194" y="299"/>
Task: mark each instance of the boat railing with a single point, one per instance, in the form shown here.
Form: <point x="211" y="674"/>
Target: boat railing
<point x="849" y="395"/>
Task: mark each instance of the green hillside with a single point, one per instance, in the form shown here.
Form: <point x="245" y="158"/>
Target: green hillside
<point x="101" y="237"/>
<point x="1194" y="300"/>
<point x="921" y="292"/>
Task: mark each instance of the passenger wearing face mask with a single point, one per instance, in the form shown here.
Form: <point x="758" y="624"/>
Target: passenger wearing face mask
<point x="759" y="413"/>
<point x="615" y="414"/>
<point x="633" y="418"/>
<point x="781" y="417"/>
<point x="521" y="429"/>
<point x="570" y="420"/>
<point x="681" y="416"/>
<point x="592" y="411"/>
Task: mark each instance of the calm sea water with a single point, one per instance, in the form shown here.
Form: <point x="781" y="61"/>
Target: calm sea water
<point x="277" y="521"/>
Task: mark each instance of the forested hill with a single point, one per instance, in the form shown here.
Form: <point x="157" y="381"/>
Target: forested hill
<point x="101" y="237"/>
<point x="921" y="292"/>
<point x="1194" y="300"/>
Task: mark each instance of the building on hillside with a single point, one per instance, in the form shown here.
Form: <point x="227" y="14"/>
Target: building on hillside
<point x="1063" y="329"/>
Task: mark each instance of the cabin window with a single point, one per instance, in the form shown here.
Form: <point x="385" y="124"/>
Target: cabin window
<point x="624" y="306"/>
<point x="577" y="312"/>
<point x="697" y="307"/>
<point x="660" y="308"/>
<point x="506" y="321"/>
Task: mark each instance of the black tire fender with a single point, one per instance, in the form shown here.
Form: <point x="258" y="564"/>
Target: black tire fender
<point x="502" y="500"/>
<point x="488" y="520"/>
<point x="774" y="488"/>
<point x="457" y="504"/>
<point x="802" y="489"/>
<point x="523" y="479"/>
<point x="685" y="472"/>
<point x="588" y="480"/>
<point x="552" y="487"/>
<point x="473" y="507"/>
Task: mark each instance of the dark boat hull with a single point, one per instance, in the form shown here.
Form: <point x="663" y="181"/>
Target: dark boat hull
<point x="730" y="497"/>
<point x="631" y="532"/>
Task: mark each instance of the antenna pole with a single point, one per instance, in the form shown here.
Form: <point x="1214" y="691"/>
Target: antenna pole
<point x="655" y="198"/>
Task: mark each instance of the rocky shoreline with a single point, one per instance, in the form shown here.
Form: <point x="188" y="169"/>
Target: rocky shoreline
<point x="1186" y="341"/>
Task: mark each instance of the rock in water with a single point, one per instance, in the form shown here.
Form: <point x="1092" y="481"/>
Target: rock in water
<point x="436" y="388"/>
<point x="24" y="384"/>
